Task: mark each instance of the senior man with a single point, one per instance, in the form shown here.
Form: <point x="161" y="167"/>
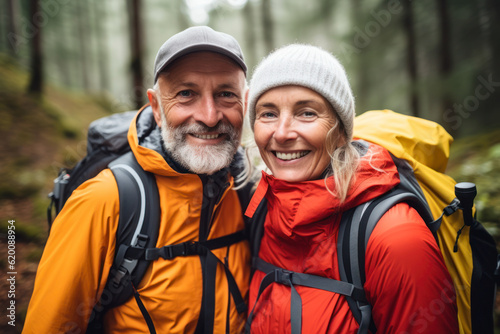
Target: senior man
<point x="188" y="137"/>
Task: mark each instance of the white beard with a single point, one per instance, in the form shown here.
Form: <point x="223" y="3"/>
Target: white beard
<point x="199" y="159"/>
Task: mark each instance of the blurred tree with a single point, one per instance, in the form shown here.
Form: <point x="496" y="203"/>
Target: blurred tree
<point x="250" y="35"/>
<point x="182" y="21"/>
<point x="137" y="52"/>
<point x="58" y="44"/>
<point x="493" y="8"/>
<point x="267" y="25"/>
<point x="445" y="60"/>
<point x="356" y="57"/>
<point x="411" y="57"/>
<point x="83" y="33"/>
<point x="325" y="12"/>
<point x="12" y="16"/>
<point x="36" y="80"/>
<point x="100" y="20"/>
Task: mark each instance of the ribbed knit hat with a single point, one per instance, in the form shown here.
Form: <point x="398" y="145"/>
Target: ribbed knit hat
<point x="308" y="66"/>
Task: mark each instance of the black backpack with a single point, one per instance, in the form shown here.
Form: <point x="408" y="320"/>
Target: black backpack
<point x="355" y="229"/>
<point x="139" y="219"/>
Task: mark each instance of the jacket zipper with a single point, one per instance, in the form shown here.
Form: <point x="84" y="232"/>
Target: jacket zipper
<point x="212" y="194"/>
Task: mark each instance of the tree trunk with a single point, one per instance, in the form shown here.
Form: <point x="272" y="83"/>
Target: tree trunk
<point x="100" y="11"/>
<point x="411" y="58"/>
<point x="12" y="26"/>
<point x="494" y="12"/>
<point x="36" y="81"/>
<point x="250" y="35"/>
<point x="267" y="25"/>
<point x="84" y="45"/>
<point x="445" y="61"/>
<point x="358" y="59"/>
<point x="182" y="20"/>
<point x="137" y="52"/>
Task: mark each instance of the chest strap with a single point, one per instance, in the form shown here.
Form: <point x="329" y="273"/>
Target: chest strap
<point x="289" y="278"/>
<point x="190" y="248"/>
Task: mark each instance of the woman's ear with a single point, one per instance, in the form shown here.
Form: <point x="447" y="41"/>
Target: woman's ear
<point x="336" y="137"/>
<point x="153" y="100"/>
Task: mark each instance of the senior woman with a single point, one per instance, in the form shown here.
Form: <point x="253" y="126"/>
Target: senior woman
<point x="301" y="110"/>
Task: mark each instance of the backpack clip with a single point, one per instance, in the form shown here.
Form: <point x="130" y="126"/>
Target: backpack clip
<point x="126" y="267"/>
<point x="452" y="208"/>
<point x="142" y="240"/>
<point x="283" y="276"/>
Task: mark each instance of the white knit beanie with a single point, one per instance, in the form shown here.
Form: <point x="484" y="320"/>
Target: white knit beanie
<point x="308" y="66"/>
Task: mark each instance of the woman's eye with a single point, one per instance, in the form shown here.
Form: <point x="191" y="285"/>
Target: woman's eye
<point x="267" y="115"/>
<point x="308" y="114"/>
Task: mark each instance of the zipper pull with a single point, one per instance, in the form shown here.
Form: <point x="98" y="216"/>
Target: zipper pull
<point x="210" y="188"/>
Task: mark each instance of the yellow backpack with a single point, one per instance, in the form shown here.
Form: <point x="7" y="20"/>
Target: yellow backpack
<point x="469" y="251"/>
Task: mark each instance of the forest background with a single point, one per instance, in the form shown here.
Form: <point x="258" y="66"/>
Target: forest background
<point x="64" y="63"/>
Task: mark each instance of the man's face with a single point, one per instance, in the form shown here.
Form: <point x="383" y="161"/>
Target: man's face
<point x="200" y="110"/>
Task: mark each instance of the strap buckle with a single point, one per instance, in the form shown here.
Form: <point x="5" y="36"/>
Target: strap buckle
<point x="126" y="267"/>
<point x="283" y="276"/>
<point x="142" y="240"/>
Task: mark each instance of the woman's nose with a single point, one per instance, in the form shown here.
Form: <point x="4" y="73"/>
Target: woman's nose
<point x="285" y="130"/>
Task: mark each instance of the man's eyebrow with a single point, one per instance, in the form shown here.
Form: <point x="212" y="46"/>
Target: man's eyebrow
<point x="228" y="85"/>
<point x="187" y="84"/>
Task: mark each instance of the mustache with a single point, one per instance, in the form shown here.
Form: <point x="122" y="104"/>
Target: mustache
<point x="200" y="128"/>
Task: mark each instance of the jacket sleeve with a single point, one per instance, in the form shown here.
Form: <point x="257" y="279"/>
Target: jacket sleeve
<point x="407" y="282"/>
<point x="76" y="260"/>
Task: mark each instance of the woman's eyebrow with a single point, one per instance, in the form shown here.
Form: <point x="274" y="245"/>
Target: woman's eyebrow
<point x="306" y="102"/>
<point x="265" y="105"/>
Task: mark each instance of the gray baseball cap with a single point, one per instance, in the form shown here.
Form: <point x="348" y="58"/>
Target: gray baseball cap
<point x="200" y="38"/>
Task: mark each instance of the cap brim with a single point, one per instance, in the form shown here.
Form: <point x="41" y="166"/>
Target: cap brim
<point x="200" y="48"/>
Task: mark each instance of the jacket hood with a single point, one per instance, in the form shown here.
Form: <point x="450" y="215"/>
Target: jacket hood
<point x="296" y="205"/>
<point x="144" y="138"/>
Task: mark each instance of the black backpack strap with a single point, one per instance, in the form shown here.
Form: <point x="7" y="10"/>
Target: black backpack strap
<point x="138" y="227"/>
<point x="190" y="248"/>
<point x="289" y="278"/>
<point x="256" y="228"/>
<point x="355" y="230"/>
<point x="345" y="245"/>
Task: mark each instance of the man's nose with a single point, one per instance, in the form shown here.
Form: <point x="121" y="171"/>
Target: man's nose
<point x="208" y="113"/>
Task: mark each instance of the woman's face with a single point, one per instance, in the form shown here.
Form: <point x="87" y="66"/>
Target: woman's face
<point x="291" y="126"/>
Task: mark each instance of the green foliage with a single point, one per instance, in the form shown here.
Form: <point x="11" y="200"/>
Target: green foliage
<point x="477" y="159"/>
<point x="25" y="232"/>
<point x="40" y="135"/>
<point x="34" y="255"/>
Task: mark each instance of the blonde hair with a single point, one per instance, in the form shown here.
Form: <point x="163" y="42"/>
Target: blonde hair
<point x="344" y="160"/>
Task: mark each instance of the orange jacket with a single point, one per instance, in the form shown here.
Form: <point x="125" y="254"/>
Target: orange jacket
<point x="407" y="283"/>
<point x="80" y="250"/>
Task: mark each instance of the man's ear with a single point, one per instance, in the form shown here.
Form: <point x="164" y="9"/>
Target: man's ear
<point x="153" y="100"/>
<point x="246" y="103"/>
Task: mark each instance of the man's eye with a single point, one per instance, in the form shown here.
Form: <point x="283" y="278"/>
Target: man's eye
<point x="185" y="93"/>
<point x="227" y="94"/>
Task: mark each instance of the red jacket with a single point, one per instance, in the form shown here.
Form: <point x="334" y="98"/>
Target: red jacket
<point x="407" y="282"/>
